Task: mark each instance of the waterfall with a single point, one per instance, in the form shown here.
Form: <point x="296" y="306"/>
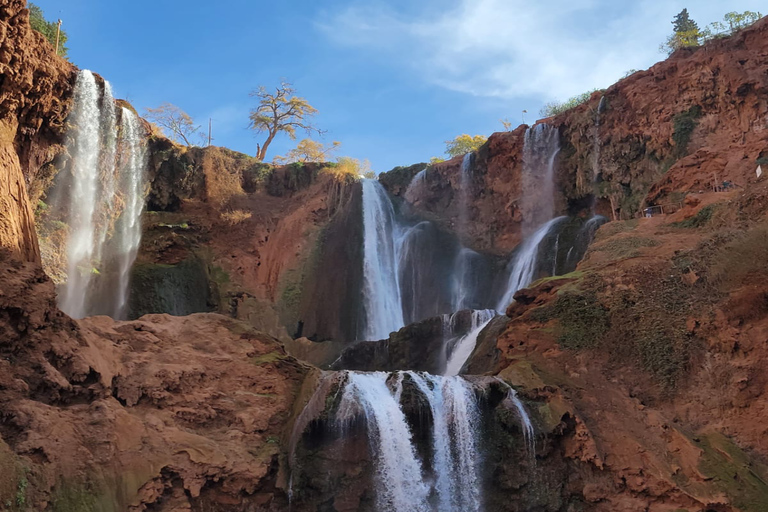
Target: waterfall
<point x="525" y="263"/>
<point x="416" y="187"/>
<point x="454" y="440"/>
<point x="381" y="288"/>
<point x="466" y="278"/>
<point x="103" y="197"/>
<point x="465" y="345"/>
<point x="128" y="237"/>
<point x="400" y="487"/>
<point x="455" y="463"/>
<point x="465" y="192"/>
<point x="398" y="410"/>
<point x="540" y="148"/>
<point x="82" y="199"/>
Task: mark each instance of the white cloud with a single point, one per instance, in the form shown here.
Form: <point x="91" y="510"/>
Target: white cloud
<point x="512" y="48"/>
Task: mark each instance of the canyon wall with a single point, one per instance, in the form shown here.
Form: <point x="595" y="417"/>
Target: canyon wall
<point x="34" y="95"/>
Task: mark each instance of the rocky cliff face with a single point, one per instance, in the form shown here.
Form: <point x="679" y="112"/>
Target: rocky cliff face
<point x="686" y="124"/>
<point x="34" y="97"/>
<point x="167" y="412"/>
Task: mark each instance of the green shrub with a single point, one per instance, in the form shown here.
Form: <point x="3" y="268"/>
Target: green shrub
<point x="554" y="108"/>
<point x="683" y="125"/>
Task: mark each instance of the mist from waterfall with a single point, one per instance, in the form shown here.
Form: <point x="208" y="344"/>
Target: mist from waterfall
<point x="101" y="198"/>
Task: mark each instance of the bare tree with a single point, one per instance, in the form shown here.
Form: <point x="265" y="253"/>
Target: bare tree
<point x="175" y="122"/>
<point x="280" y="111"/>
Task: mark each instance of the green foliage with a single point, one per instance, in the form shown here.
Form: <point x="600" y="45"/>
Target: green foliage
<point x="348" y="166"/>
<point x="625" y="247"/>
<point x="687" y="33"/>
<point x="582" y="320"/>
<point x="308" y="150"/>
<point x="699" y="220"/>
<point x="684" y="23"/>
<point x="464" y="144"/>
<point x="554" y="108"/>
<point x="280" y="112"/>
<point x="47" y="28"/>
<point x="683" y="125"/>
<point x="436" y="160"/>
<point x="21" y="492"/>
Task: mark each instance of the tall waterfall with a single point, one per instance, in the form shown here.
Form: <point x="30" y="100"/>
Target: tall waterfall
<point x="128" y="237"/>
<point x="102" y="196"/>
<point x="540" y="149"/>
<point x="381" y="288"/>
<point x="524" y="269"/>
<point x="83" y="195"/>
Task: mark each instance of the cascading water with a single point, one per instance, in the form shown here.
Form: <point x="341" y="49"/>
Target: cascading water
<point x="465" y="191"/>
<point x="83" y="200"/>
<point x="381" y="288"/>
<point x="400" y="486"/>
<point x="524" y="268"/>
<point x="454" y="440"/>
<point x="465" y="345"/>
<point x="416" y="187"/>
<point x="128" y="237"/>
<point x="103" y="198"/>
<point x="446" y="477"/>
<point x="540" y="149"/>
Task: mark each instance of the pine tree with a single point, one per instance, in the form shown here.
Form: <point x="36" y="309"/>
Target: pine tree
<point x="684" y="23"/>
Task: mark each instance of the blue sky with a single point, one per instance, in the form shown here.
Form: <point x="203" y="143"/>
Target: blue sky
<point x="392" y="80"/>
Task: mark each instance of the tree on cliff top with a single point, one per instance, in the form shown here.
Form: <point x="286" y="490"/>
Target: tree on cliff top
<point x="280" y="111"/>
<point x="47" y="28"/>
<point x="464" y="144"/>
<point x="308" y="150"/>
<point x="686" y="33"/>
<point x="176" y="123"/>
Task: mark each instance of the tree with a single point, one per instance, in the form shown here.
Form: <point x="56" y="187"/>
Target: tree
<point x="47" y="28"/>
<point x="280" y="111"/>
<point x="732" y="23"/>
<point x="464" y="144"/>
<point x="308" y="150"/>
<point x="684" y="23"/>
<point x="176" y="123"/>
<point x="686" y="34"/>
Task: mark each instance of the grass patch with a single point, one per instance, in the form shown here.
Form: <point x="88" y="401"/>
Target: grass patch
<point x="234" y="217"/>
<point x="614" y="228"/>
<point x="270" y="357"/>
<point x="699" y="220"/>
<point x="738" y="476"/>
<point x="582" y="320"/>
<point x="745" y="256"/>
<point x="625" y="247"/>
